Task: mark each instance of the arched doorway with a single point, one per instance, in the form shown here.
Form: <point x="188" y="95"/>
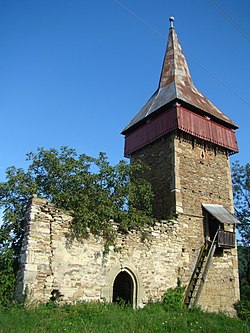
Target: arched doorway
<point x="123" y="288"/>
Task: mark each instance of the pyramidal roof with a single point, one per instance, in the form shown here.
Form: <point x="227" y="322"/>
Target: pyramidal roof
<point x="176" y="85"/>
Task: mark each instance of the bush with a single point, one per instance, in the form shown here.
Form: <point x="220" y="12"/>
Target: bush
<point x="7" y="277"/>
<point x="173" y="298"/>
<point x="243" y="310"/>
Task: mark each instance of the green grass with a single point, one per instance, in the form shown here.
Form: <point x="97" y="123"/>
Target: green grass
<point x="111" y="318"/>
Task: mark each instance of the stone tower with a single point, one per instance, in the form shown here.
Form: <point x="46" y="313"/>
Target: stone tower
<point x="186" y="141"/>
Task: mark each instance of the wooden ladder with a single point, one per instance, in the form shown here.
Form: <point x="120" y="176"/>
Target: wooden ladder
<point x="199" y="275"/>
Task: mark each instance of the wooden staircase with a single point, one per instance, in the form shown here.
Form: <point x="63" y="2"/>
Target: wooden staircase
<point x="199" y="276"/>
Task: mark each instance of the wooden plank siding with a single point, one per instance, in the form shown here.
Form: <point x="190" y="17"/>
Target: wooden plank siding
<point x="226" y="239"/>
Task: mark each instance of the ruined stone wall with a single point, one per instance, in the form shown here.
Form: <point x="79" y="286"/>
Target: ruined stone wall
<point x="51" y="260"/>
<point x="80" y="271"/>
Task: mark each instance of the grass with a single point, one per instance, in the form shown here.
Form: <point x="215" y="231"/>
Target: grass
<point x="111" y="318"/>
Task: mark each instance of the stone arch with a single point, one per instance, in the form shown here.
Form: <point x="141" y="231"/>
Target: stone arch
<point x="128" y="272"/>
<point x="124" y="288"/>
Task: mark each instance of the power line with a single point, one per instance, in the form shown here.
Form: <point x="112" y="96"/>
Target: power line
<point x="194" y="61"/>
<point x="215" y="77"/>
<point x="230" y="19"/>
<point x="140" y="19"/>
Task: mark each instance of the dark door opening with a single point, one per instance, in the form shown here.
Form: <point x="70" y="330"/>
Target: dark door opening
<point x="123" y="289"/>
<point x="213" y="225"/>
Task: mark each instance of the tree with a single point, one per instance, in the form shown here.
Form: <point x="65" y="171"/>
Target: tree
<point x="90" y="189"/>
<point x="241" y="189"/>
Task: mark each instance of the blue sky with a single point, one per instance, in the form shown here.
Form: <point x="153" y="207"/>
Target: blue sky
<point x="75" y="72"/>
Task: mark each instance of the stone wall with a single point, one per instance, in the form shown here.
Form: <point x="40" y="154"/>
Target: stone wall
<point x="51" y="260"/>
<point x="160" y="157"/>
<point x="79" y="270"/>
<point x="204" y="174"/>
<point x="221" y="289"/>
<point x="187" y="172"/>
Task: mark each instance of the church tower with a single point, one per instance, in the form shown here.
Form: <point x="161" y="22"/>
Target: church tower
<point x="187" y="141"/>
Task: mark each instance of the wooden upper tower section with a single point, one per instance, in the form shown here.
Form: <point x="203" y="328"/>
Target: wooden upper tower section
<point x="178" y="104"/>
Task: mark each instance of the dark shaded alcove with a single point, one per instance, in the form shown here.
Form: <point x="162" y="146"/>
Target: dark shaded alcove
<point x="123" y="288"/>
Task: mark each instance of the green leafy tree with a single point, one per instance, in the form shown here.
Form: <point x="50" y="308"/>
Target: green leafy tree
<point x="244" y="272"/>
<point x="241" y="189"/>
<point x="7" y="277"/>
<point x="94" y="192"/>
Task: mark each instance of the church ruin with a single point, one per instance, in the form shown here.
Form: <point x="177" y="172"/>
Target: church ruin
<point x="187" y="142"/>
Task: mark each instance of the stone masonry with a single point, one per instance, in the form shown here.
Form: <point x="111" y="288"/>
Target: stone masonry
<point x="50" y="260"/>
<point x="186" y="173"/>
<point x="79" y="269"/>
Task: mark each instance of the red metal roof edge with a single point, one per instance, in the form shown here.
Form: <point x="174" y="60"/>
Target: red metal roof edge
<point x="199" y="111"/>
<point x="228" y="143"/>
<point x="210" y="138"/>
<point x="201" y="116"/>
